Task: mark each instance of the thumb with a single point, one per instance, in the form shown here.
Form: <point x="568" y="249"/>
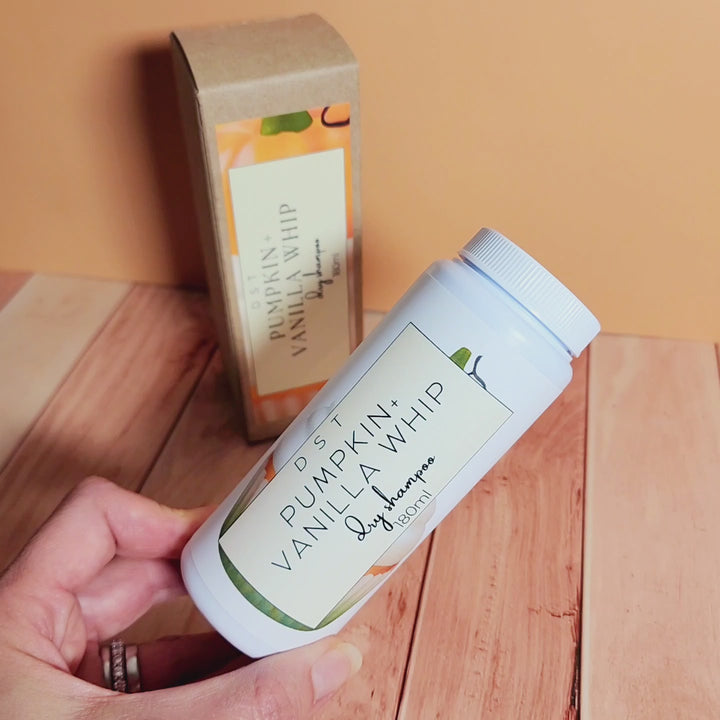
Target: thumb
<point x="286" y="686"/>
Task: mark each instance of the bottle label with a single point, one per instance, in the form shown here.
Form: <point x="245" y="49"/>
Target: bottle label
<point x="356" y="497"/>
<point x="289" y="211"/>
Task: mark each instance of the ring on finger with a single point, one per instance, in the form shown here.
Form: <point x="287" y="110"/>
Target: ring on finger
<point x="121" y="669"/>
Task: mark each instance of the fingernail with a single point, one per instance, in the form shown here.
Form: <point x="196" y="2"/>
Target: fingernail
<point x="334" y="668"/>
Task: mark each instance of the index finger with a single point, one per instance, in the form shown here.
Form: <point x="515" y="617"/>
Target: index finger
<point x="97" y="521"/>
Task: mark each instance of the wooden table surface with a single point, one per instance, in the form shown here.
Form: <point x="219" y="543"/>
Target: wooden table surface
<point x="581" y="578"/>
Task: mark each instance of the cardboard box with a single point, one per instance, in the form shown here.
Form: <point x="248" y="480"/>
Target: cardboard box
<point x="271" y="118"/>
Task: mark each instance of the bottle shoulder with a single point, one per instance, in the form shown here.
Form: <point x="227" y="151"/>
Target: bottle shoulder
<point x="519" y="330"/>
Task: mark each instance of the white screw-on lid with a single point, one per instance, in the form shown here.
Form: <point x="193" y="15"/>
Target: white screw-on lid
<point x="534" y="287"/>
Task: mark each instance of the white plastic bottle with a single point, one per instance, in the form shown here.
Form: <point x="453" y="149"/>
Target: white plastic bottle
<point x="457" y="371"/>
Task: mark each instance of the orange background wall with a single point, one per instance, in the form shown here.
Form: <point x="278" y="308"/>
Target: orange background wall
<point x="586" y="131"/>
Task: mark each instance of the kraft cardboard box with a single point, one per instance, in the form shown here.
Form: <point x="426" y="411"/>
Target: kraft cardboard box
<point x="271" y="121"/>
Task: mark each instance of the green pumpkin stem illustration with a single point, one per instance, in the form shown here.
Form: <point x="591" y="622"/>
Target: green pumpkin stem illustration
<point x="460" y="357"/>
<point x="291" y="122"/>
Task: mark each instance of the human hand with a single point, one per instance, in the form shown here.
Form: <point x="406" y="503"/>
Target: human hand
<point x="104" y="558"/>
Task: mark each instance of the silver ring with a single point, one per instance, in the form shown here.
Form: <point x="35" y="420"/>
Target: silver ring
<point x="132" y="668"/>
<point x="121" y="670"/>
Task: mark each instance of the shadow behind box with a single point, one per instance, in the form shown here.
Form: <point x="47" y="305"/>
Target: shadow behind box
<point x="270" y="112"/>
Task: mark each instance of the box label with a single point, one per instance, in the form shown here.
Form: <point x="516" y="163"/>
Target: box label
<point x="288" y="202"/>
<point x="355" y="498"/>
<point x="290" y="215"/>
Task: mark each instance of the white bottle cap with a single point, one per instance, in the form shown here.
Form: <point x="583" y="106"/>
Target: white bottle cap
<point x="542" y="294"/>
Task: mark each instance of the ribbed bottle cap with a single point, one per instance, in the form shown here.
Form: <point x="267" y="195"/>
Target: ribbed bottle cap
<point x="534" y="287"/>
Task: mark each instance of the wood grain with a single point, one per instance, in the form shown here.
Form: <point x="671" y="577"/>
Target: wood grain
<point x="44" y="328"/>
<point x="203" y="460"/>
<point x="114" y="411"/>
<point x="651" y="599"/>
<point x="10" y="283"/>
<point x="497" y="631"/>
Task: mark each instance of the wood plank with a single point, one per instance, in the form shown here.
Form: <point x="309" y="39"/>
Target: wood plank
<point x="44" y="329"/>
<point x="651" y="596"/>
<point x="10" y="283"/>
<point x="497" y="630"/>
<point x="114" y="411"/>
<point x="203" y="460"/>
